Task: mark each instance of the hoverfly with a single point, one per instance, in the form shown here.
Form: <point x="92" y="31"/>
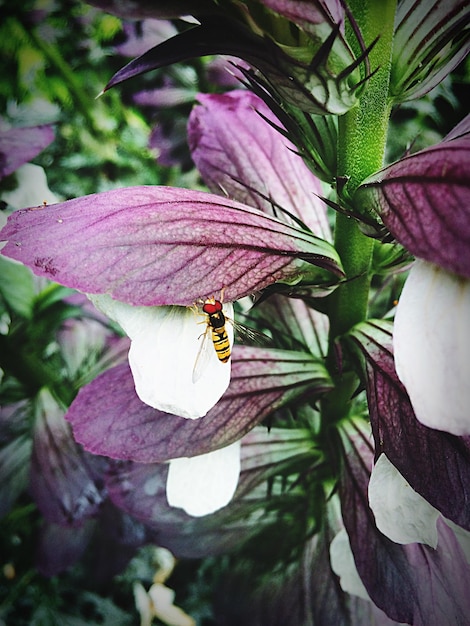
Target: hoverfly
<point x="216" y="331"/>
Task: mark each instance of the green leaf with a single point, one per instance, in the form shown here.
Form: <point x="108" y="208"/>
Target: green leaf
<point x="16" y="287"/>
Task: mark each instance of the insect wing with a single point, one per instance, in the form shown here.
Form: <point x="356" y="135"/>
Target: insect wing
<point x="248" y="335"/>
<point x="203" y="355"/>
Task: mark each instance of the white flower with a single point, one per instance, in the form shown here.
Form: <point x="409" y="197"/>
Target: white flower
<point x="432" y="347"/>
<point x="342" y="563"/>
<point x="165" y="343"/>
<point x="203" y="484"/>
<point x="401" y="513"/>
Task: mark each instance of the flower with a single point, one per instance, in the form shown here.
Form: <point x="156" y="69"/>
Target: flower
<point x="432" y="345"/>
<point x="165" y="346"/>
<point x="203" y="484"/>
<point x="400" y="512"/>
<point x="431" y="339"/>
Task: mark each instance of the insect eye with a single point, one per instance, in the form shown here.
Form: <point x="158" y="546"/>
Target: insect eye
<point x="212" y="307"/>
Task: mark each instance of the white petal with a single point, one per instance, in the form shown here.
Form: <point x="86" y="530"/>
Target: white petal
<point x="342" y="563"/>
<point x="162" y="598"/>
<point x="143" y="604"/>
<point x="165" y="341"/>
<point x="32" y="189"/>
<point x="401" y="513"/>
<point x="432" y="347"/>
<point x="203" y="484"/>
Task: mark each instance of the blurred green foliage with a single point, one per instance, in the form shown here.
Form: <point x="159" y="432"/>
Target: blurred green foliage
<point x="56" y="58"/>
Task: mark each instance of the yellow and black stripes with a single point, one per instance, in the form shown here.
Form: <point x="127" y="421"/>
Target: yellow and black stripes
<point x="221" y="343"/>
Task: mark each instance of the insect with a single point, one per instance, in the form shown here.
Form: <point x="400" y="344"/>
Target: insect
<point x="215" y="329"/>
<point x="216" y="321"/>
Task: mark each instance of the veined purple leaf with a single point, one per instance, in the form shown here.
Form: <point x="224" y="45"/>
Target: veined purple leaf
<point x="20" y="145"/>
<point x="414" y="584"/>
<point x="162" y="245"/>
<point x="435" y="464"/>
<point x="108" y="418"/>
<point x="268" y="175"/>
<point x="424" y="201"/>
<point x="431" y="39"/>
<point x="64" y="480"/>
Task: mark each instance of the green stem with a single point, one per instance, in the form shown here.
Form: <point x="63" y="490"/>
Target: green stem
<point x="361" y="147"/>
<point x="362" y="134"/>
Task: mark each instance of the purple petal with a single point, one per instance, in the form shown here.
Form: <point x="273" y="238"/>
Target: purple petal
<point x="413" y="584"/>
<point x="109" y="419"/>
<point x="20" y="145"/>
<point x="436" y="465"/>
<point x="269" y="175"/>
<point x="424" y="201"/>
<point x="63" y="480"/>
<point x="161" y="245"/>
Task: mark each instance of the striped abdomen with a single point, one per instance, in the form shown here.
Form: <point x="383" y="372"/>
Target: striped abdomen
<point x="221" y="343"/>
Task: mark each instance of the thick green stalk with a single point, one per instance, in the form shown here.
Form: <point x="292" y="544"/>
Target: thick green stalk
<point x="361" y="147"/>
